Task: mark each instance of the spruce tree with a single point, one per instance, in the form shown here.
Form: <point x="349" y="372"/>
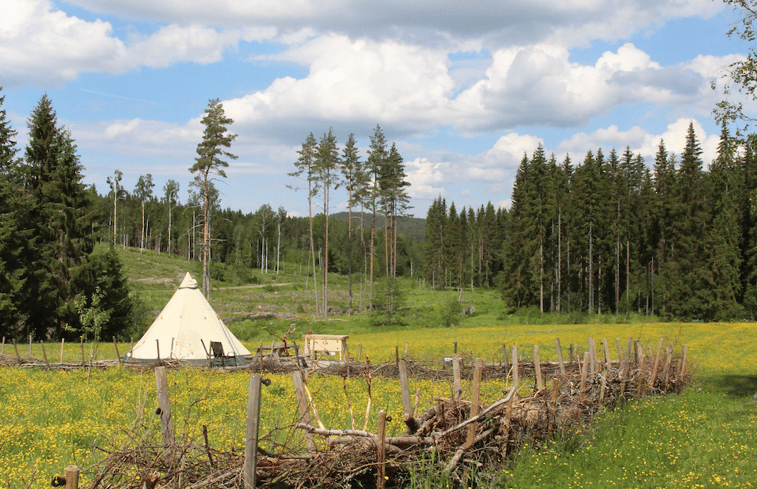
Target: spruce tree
<point x="59" y="222"/>
<point x="687" y="279"/>
<point x="11" y="238"/>
<point x="724" y="257"/>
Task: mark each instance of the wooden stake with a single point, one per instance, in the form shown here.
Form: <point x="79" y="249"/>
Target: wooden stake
<point x="456" y="376"/>
<point x="504" y="357"/>
<point x="303" y="405"/>
<point x="537" y="368"/>
<point x="593" y="357"/>
<point x="559" y="356"/>
<point x="30" y="348"/>
<point x="607" y="355"/>
<point x="164" y="406"/>
<point x="118" y="355"/>
<point x="620" y="353"/>
<point x="602" y="394"/>
<point x="407" y="407"/>
<point x="656" y="365"/>
<point x="668" y="360"/>
<point x="474" y="402"/>
<point x="359" y="351"/>
<point x="83" y="360"/>
<point x="251" y="440"/>
<point x="157" y="346"/>
<point x="682" y="371"/>
<point x="44" y="354"/>
<point x="72" y="477"/>
<point x="516" y="378"/>
<point x="572" y="353"/>
<point x="62" y="340"/>
<point x="381" y="449"/>
<point x="397" y="356"/>
<point x="16" y="348"/>
<point x="584" y="372"/>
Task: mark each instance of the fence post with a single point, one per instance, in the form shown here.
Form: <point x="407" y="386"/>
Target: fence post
<point x="72" y="477"/>
<point x="559" y="356"/>
<point x="304" y="407"/>
<point x="83" y="360"/>
<point x="17" y="355"/>
<point x="251" y="440"/>
<point x="683" y="363"/>
<point x="516" y="378"/>
<point x="593" y="358"/>
<point x="381" y="449"/>
<point x="62" y="340"/>
<point x="584" y="371"/>
<point x="656" y="365"/>
<point x="456" y="376"/>
<point x="44" y="353"/>
<point x="537" y="368"/>
<point x="475" y="395"/>
<point x="164" y="406"/>
<point x="607" y="354"/>
<point x="407" y="406"/>
<point x="118" y="355"/>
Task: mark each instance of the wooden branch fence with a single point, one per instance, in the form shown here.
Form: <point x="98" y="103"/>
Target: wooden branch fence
<point x="460" y="435"/>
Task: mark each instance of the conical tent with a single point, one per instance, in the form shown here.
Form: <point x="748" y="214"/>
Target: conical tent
<point x="177" y="332"/>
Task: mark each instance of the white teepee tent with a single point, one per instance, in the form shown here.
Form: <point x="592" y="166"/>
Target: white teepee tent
<point x="178" y="329"/>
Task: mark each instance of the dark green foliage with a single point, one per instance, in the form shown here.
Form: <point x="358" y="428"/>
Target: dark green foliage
<point x="388" y="303"/>
<point x="48" y="225"/>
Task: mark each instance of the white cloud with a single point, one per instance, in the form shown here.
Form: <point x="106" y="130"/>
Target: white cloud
<point x="641" y="142"/>
<point x="45" y="46"/>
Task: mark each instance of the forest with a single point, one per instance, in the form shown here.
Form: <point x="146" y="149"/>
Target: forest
<point x="611" y="234"/>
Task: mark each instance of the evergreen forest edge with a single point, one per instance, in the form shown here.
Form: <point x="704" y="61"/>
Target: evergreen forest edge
<point x="606" y="235"/>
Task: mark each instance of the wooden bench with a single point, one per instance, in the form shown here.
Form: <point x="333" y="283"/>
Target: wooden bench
<point x="326" y="344"/>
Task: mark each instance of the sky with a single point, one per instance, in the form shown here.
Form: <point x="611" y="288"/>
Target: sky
<point x="464" y="89"/>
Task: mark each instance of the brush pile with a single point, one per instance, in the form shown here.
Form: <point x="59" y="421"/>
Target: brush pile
<point x="463" y="440"/>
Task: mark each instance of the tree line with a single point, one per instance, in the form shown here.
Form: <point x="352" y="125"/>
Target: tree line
<point x="610" y="235"/>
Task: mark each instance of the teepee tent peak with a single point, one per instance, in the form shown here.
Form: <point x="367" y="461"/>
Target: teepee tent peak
<point x="188" y="282"/>
<point x="185" y="328"/>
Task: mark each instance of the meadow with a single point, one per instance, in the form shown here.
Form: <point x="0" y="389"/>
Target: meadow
<point x="704" y="437"/>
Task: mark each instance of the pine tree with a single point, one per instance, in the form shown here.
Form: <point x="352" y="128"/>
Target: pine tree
<point x="354" y="179"/>
<point x="326" y="162"/>
<point x="305" y="164"/>
<point x="377" y="155"/>
<point x="143" y="193"/>
<point x="216" y="141"/>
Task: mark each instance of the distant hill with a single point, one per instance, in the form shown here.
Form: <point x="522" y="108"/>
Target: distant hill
<point x="411" y="227"/>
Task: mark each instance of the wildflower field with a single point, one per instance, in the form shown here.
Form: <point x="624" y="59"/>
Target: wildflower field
<point x="705" y="437"/>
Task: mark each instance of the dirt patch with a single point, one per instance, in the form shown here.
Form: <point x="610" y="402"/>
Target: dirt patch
<point x="153" y="280"/>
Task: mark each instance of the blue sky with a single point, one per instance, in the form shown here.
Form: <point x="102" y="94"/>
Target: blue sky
<point x="463" y="89"/>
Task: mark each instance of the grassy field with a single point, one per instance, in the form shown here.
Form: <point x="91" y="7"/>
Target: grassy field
<point x="705" y="437"/>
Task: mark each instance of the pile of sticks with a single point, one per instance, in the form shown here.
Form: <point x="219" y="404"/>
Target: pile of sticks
<point x="456" y="436"/>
